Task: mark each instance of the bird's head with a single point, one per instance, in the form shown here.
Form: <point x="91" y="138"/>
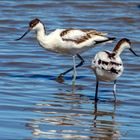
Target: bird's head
<point x="35" y="25"/>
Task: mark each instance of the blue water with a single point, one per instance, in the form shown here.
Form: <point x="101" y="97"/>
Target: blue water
<point x="34" y="106"/>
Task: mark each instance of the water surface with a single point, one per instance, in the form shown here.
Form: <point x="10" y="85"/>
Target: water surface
<point x="34" y="106"/>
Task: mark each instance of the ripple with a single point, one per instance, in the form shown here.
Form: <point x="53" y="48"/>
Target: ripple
<point x="33" y="105"/>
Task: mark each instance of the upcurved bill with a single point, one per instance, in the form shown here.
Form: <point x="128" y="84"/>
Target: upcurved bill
<point x="23" y="35"/>
<point x="133" y="52"/>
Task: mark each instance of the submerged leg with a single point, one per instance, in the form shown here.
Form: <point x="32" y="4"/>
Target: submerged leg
<point x="95" y="113"/>
<point x="78" y="65"/>
<point x="96" y="91"/>
<point x="74" y="71"/>
<point x="114" y="90"/>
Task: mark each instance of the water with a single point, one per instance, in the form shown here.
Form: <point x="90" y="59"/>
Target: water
<point x="34" y="106"/>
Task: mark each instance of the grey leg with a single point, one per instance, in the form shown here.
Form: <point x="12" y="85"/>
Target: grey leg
<point x="74" y="71"/>
<point x="78" y="65"/>
<point x="114" y="90"/>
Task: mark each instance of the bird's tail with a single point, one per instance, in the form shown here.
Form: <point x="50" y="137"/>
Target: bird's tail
<point x="109" y="39"/>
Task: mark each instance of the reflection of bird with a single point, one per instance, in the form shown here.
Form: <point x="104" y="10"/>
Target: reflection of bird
<point x="67" y="41"/>
<point x="101" y="125"/>
<point x="108" y="66"/>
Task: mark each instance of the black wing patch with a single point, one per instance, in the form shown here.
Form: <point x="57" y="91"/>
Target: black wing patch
<point x="112" y="66"/>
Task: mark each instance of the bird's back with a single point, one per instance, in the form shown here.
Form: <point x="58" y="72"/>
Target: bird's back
<point x="107" y="66"/>
<point x="72" y="41"/>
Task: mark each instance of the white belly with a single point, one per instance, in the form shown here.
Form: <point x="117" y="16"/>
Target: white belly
<point x="106" y="76"/>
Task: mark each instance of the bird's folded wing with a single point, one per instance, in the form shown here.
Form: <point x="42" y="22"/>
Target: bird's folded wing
<point x="79" y="35"/>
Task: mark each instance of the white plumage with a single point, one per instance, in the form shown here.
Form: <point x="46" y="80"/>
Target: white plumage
<point x="67" y="41"/>
<point x="105" y="68"/>
<point x="108" y="66"/>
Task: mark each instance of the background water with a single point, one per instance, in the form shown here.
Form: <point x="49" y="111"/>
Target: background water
<point x="34" y="106"/>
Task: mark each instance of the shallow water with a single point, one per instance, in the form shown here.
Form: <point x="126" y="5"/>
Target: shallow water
<point x="34" y="106"/>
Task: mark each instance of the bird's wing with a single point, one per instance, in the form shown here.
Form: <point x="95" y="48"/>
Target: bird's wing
<point x="108" y="62"/>
<point x="79" y="35"/>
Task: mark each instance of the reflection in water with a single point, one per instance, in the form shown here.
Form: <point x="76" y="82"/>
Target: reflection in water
<point x="29" y="93"/>
<point x="65" y="118"/>
<point x="104" y="127"/>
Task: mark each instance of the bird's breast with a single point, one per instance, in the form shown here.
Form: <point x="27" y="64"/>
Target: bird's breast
<point x="107" y="69"/>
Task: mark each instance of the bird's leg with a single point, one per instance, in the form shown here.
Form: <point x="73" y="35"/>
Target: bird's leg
<point x="96" y="91"/>
<point x="82" y="61"/>
<point x="74" y="71"/>
<point x="95" y="113"/>
<point x="114" y="90"/>
<point x="78" y="65"/>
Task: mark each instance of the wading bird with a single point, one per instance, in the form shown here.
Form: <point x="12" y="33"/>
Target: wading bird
<point x="108" y="66"/>
<point x="70" y="42"/>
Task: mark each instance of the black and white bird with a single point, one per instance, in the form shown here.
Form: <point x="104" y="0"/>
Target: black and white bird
<point x="70" y="42"/>
<point x="108" y="66"/>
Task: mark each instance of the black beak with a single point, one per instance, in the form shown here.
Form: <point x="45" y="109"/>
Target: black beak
<point x="133" y="52"/>
<point x="23" y="35"/>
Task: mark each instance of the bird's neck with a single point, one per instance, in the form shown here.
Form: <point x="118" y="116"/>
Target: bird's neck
<point x="119" y="48"/>
<point x="41" y="34"/>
